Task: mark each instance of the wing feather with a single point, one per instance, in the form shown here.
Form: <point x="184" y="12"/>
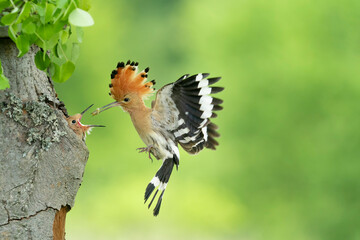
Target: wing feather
<point x="189" y="106"/>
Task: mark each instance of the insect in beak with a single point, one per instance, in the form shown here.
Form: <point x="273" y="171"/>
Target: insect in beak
<point x="82" y="113"/>
<point x="106" y="107"/>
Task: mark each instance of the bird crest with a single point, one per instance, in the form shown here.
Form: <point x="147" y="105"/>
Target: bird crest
<point x="125" y="79"/>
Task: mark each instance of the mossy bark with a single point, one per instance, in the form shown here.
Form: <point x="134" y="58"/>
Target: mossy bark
<point x="42" y="161"/>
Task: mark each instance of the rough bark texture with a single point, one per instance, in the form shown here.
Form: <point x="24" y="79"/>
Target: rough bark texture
<point x="42" y="161"/>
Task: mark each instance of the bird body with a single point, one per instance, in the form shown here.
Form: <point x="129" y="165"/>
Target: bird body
<point x="180" y="114"/>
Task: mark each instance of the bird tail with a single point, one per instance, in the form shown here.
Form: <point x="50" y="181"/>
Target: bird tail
<point x="160" y="180"/>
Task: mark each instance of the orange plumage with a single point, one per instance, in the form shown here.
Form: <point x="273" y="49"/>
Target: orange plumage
<point x="125" y="79"/>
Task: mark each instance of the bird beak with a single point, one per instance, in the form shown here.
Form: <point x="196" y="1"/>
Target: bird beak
<point x="82" y="113"/>
<point x="106" y="107"/>
<point x="91" y="126"/>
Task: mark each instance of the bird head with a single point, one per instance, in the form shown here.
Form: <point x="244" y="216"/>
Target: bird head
<point x="75" y="124"/>
<point x="128" y="87"/>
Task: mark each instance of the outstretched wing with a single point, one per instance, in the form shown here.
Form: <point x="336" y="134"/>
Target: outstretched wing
<point x="185" y="108"/>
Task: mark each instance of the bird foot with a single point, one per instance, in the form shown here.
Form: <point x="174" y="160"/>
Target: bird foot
<point x="146" y="149"/>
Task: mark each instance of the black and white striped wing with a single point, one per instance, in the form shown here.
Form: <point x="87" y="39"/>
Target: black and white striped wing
<point x="190" y="119"/>
<point x="192" y="97"/>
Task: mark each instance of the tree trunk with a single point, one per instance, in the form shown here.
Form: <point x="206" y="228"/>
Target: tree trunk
<point x="42" y="161"/>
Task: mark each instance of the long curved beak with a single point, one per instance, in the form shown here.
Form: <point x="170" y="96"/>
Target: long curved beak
<point x="82" y="113"/>
<point x="106" y="107"/>
<point x="95" y="125"/>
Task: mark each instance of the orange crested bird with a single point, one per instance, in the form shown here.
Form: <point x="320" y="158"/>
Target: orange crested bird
<point x="80" y="129"/>
<point x="180" y="114"/>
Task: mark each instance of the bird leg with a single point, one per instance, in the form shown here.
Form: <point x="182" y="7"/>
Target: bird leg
<point x="146" y="149"/>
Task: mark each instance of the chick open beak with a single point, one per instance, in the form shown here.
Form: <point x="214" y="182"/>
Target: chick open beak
<point x="95" y="126"/>
<point x="106" y="107"/>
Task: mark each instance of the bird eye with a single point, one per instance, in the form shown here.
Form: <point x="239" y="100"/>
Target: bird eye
<point x="126" y="99"/>
<point x="73" y="121"/>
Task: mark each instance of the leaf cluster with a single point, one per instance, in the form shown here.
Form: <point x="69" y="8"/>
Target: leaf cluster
<point x="55" y="26"/>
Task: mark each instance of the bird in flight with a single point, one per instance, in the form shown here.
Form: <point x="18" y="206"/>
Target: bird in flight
<point x="181" y="114"/>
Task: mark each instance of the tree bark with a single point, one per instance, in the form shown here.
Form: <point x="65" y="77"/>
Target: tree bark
<point x="42" y="161"/>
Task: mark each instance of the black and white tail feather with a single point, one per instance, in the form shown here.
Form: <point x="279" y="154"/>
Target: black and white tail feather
<point x="161" y="179"/>
<point x="186" y="108"/>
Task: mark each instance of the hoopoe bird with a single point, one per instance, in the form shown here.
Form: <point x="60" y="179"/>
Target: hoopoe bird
<point x="180" y="114"/>
<point x="80" y="129"/>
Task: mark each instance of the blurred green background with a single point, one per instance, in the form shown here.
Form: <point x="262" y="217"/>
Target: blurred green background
<point x="288" y="162"/>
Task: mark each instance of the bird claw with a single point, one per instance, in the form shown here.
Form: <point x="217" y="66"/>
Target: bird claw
<point x="146" y="149"/>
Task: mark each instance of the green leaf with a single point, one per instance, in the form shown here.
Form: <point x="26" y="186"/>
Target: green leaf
<point x="28" y="26"/>
<point x="64" y="35"/>
<point x="55" y="72"/>
<point x="47" y="31"/>
<point x="75" y="51"/>
<point x="64" y="47"/>
<point x="49" y="24"/>
<point x="63" y="72"/>
<point x="25" y="12"/>
<point x="68" y="10"/>
<point x="4" y="82"/>
<point x="12" y="33"/>
<point x="4" y="4"/>
<point x="84" y="4"/>
<point x="61" y="3"/>
<point x="80" y="18"/>
<point x="23" y="44"/>
<point x="79" y="34"/>
<point x="52" y="41"/>
<point x="67" y="69"/>
<point x="55" y="59"/>
<point x="55" y="51"/>
<point x="61" y="49"/>
<point x="40" y="9"/>
<point x="8" y="19"/>
<point x="57" y="14"/>
<point x="40" y="62"/>
<point x="32" y="38"/>
<point x="15" y="10"/>
<point x="49" y="10"/>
